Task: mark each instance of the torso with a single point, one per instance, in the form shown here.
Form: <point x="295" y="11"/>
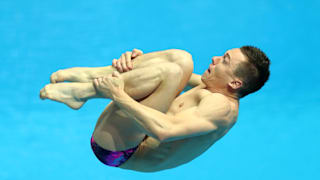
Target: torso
<point x="154" y="156"/>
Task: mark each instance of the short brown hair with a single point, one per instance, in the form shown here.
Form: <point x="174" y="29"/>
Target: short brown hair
<point x="255" y="72"/>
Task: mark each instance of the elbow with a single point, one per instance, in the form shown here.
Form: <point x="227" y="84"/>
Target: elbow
<point x="163" y="132"/>
<point x="161" y="136"/>
<point x="162" y="139"/>
<point x="166" y="136"/>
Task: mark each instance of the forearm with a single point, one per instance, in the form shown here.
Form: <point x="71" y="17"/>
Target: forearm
<point x="152" y="122"/>
<point x="194" y="81"/>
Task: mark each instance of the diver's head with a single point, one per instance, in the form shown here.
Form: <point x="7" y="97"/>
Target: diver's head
<point x="238" y="72"/>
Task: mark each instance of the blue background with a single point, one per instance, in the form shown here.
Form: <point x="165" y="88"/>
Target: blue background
<point x="277" y="134"/>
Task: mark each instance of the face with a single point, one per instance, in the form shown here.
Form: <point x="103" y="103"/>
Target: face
<point x="220" y="72"/>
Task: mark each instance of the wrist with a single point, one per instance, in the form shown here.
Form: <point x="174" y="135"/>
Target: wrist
<point x="119" y="95"/>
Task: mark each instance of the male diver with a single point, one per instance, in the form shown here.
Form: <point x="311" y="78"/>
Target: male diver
<point x="147" y="126"/>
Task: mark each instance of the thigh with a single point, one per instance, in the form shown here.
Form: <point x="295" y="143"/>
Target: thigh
<point x="173" y="82"/>
<point x="115" y="131"/>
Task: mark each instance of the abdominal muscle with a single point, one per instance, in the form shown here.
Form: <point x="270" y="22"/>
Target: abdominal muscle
<point x="114" y="131"/>
<point x="121" y="133"/>
<point x="152" y="155"/>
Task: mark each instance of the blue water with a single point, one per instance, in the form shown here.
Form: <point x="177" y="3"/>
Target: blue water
<point x="277" y="134"/>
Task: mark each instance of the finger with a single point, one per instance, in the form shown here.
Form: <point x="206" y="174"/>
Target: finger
<point x="116" y="74"/>
<point x="105" y="79"/>
<point x="139" y="51"/>
<point x="100" y="79"/>
<point x="114" y="63"/>
<point x="96" y="82"/>
<point x="136" y="52"/>
<point x="119" y="66"/>
<point x="128" y="60"/>
<point x="124" y="61"/>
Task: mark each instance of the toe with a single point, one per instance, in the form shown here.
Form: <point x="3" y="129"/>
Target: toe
<point x="53" y="78"/>
<point x="56" y="77"/>
<point x="43" y="94"/>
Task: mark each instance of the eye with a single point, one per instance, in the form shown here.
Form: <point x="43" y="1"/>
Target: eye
<point x="224" y="60"/>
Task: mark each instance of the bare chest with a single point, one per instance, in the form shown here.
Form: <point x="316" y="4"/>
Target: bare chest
<point x="187" y="100"/>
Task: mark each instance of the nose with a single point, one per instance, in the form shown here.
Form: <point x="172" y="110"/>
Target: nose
<point x="213" y="60"/>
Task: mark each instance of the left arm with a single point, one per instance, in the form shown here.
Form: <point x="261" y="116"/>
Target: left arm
<point x="195" y="80"/>
<point x="150" y="121"/>
<point x="205" y="118"/>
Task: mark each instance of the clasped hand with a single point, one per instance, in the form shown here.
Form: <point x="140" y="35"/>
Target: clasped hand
<point x="109" y="86"/>
<point x="125" y="62"/>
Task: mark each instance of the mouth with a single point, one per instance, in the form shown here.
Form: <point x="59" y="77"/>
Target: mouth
<point x="209" y="69"/>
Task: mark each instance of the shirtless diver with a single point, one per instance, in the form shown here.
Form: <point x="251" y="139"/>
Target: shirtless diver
<point x="147" y="126"/>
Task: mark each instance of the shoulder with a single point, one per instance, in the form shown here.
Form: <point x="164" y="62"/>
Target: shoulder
<point x="216" y="99"/>
<point x="216" y="107"/>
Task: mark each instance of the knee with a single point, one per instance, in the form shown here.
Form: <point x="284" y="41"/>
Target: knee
<point x="181" y="58"/>
<point x="169" y="70"/>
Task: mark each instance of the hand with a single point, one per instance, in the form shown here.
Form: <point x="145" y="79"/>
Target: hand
<point x="125" y="64"/>
<point x="109" y="86"/>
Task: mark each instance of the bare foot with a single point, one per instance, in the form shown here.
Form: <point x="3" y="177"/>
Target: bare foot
<point x="70" y="94"/>
<point x="80" y="74"/>
<point x="72" y="75"/>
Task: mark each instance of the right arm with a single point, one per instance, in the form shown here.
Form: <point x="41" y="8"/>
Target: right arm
<point x="124" y="64"/>
<point x="194" y="81"/>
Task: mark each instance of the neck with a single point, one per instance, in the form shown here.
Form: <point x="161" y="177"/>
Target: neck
<point x="224" y="91"/>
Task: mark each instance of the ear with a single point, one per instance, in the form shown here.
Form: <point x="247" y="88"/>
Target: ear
<point x="235" y="84"/>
